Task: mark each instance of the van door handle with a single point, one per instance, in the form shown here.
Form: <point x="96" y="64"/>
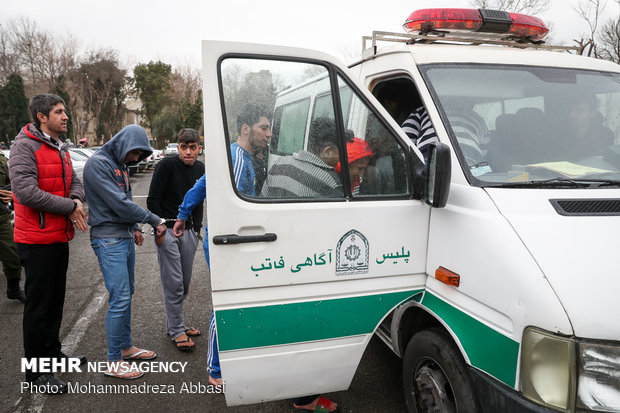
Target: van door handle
<point x="242" y="239"/>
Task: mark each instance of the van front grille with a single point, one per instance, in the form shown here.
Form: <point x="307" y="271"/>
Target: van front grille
<point x="586" y="207"/>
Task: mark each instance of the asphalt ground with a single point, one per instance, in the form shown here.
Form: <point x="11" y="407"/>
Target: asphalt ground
<point x="376" y="386"/>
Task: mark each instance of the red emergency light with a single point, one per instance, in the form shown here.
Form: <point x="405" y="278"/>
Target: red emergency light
<point x="476" y="20"/>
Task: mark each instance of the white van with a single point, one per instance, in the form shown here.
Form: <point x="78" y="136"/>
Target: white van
<point x="490" y="270"/>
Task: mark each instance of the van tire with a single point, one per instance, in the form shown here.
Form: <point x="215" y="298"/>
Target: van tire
<point x="435" y="376"/>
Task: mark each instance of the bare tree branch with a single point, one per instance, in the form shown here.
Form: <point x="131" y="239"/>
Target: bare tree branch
<point x="516" y="6"/>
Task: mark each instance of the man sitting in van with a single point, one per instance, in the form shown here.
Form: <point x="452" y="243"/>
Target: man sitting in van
<point x="309" y="173"/>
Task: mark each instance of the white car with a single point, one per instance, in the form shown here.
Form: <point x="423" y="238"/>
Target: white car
<point x="157" y="155"/>
<point x="171" y="149"/>
<point x="79" y="160"/>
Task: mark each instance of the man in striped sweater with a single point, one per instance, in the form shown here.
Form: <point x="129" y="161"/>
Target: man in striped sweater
<point x="309" y="173"/>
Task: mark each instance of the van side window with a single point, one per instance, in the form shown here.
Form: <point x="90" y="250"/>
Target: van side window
<point x="289" y="127"/>
<point x="376" y="159"/>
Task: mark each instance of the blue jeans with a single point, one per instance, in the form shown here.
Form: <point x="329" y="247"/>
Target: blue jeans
<point x="213" y="355"/>
<point x="116" y="258"/>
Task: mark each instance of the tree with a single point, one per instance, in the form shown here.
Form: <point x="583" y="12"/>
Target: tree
<point x="100" y="86"/>
<point x="13" y="108"/>
<point x="9" y="59"/>
<point x="190" y="114"/>
<point x="163" y="126"/>
<point x="610" y="40"/>
<point x="590" y="11"/>
<point x="515" y="6"/>
<point x="152" y="82"/>
<point x="61" y="90"/>
<point x="37" y="56"/>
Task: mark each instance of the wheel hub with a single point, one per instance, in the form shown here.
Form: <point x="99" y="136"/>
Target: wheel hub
<point x="433" y="391"/>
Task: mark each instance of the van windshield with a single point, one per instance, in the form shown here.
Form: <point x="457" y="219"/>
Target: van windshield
<point x="513" y="126"/>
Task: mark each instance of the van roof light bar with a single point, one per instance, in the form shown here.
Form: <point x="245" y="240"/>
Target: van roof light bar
<point x="511" y="25"/>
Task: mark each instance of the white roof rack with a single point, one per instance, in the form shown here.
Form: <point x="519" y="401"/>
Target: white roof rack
<point x="475" y="38"/>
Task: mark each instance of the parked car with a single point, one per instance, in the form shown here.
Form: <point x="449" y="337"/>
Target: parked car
<point x="83" y="151"/>
<point x="158" y="155"/>
<point x="79" y="160"/>
<point x="171" y="149"/>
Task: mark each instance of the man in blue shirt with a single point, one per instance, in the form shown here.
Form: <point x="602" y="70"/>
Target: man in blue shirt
<point x="254" y="134"/>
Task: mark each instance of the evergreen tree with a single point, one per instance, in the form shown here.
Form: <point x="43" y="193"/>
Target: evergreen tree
<point x="13" y="108"/>
<point x="153" y="85"/>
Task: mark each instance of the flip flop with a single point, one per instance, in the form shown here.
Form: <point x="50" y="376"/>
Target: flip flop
<point x="141" y="355"/>
<point x="176" y="343"/>
<point x="323" y="405"/>
<point x="192" y="332"/>
<point x="125" y="376"/>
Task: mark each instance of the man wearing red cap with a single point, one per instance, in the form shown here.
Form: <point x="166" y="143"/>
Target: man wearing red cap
<point x="359" y="155"/>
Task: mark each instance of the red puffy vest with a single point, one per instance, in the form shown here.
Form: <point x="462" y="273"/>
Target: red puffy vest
<point x="54" y="176"/>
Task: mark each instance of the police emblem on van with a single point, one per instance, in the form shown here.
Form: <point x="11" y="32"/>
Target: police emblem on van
<point x="352" y="254"/>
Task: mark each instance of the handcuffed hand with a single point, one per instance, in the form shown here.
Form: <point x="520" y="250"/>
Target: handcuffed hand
<point x="179" y="228"/>
<point x="138" y="238"/>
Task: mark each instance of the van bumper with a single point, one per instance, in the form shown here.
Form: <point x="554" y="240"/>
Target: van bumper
<point x="495" y="396"/>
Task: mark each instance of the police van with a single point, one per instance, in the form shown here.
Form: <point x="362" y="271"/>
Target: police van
<point x="489" y="268"/>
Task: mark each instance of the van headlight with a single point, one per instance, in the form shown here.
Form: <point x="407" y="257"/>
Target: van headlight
<point x="570" y="375"/>
<point x="598" y="386"/>
<point x="547" y="369"/>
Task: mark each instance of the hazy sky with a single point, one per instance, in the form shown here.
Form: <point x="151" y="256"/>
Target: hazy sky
<point x="171" y="31"/>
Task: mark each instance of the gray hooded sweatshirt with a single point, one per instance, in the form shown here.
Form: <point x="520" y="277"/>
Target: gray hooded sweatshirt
<point x="111" y="210"/>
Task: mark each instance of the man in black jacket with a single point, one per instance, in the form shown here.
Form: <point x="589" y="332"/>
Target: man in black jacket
<point x="172" y="178"/>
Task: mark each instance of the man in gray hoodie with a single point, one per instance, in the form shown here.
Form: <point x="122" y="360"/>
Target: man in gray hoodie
<point x="113" y="218"/>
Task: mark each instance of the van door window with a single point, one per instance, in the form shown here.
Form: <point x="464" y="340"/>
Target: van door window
<point x="277" y="150"/>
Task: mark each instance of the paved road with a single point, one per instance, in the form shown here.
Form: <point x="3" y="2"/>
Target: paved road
<point x="375" y="388"/>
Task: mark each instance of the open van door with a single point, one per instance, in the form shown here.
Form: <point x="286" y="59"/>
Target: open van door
<point x="305" y="262"/>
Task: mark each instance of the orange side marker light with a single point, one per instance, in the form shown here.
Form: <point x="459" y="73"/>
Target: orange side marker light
<point x="447" y="277"/>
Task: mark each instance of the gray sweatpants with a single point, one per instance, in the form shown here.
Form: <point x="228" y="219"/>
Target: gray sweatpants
<point x="176" y="259"/>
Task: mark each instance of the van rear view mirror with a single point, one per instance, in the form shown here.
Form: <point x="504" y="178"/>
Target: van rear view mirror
<point x="438" y="172"/>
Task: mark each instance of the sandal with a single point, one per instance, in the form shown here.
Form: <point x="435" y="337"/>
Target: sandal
<point x="323" y="405"/>
<point x="141" y="354"/>
<point x="179" y="343"/>
<point x="192" y="332"/>
<point x="123" y="370"/>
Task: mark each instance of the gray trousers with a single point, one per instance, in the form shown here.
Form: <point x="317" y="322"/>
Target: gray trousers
<point x="176" y="259"/>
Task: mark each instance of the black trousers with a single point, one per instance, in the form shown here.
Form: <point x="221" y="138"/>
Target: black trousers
<point x="45" y="267"/>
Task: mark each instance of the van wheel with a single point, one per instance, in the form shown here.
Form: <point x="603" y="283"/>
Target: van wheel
<point x="435" y="376"/>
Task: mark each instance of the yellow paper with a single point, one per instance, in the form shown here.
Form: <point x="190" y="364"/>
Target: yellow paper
<point x="569" y="169"/>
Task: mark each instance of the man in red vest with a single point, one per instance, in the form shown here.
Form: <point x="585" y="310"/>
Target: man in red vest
<point x="47" y="197"/>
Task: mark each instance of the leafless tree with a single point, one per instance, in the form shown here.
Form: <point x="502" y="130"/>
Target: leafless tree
<point x="30" y="44"/>
<point x="186" y="83"/>
<point x="590" y="11"/>
<point x="9" y="59"/>
<point x="610" y="40"/>
<point x="515" y="6"/>
<point x="39" y="57"/>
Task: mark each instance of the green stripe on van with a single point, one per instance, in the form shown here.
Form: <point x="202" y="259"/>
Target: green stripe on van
<point x="306" y="321"/>
<point x="487" y="349"/>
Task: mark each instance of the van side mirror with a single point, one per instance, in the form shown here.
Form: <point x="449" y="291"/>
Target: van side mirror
<point x="438" y="173"/>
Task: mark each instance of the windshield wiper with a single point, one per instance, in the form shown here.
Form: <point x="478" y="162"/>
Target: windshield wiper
<point x="559" y="183"/>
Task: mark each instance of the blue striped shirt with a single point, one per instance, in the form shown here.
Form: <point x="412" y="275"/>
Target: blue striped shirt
<point x="243" y="170"/>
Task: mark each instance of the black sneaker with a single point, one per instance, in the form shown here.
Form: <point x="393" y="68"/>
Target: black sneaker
<point x="16" y="294"/>
<point x="82" y="357"/>
<point x="49" y="384"/>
